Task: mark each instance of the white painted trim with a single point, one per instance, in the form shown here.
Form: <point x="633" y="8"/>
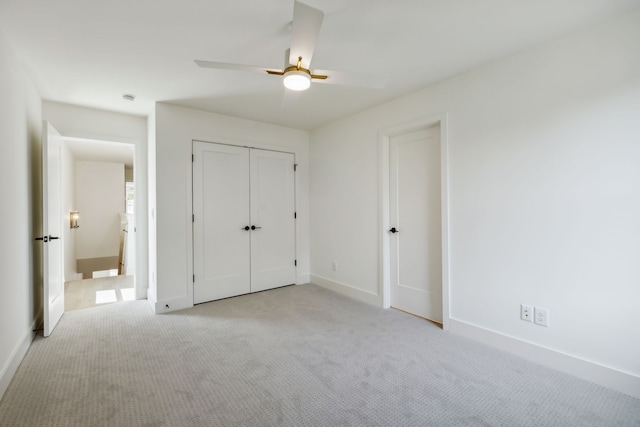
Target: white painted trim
<point x="173" y="304"/>
<point x="347" y="290"/>
<point x="15" y="359"/>
<point x="151" y="300"/>
<point x="109" y="140"/>
<point x="612" y="378"/>
<point x="247" y="144"/>
<point x="445" y="206"/>
<point x="384" y="147"/>
<point x="189" y="218"/>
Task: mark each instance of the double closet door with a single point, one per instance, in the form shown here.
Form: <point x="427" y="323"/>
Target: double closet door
<point x="243" y="220"/>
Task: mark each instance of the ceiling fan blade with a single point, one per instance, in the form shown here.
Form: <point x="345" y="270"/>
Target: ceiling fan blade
<point x="304" y="33"/>
<point x="352" y="79"/>
<point x="225" y="66"/>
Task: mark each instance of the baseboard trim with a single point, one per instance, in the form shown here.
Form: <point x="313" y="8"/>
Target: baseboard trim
<point x="18" y="353"/>
<point x="347" y="290"/>
<point x="167" y="306"/>
<point x="605" y="376"/>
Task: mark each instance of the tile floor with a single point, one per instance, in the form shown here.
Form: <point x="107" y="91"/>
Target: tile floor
<point x="87" y="293"/>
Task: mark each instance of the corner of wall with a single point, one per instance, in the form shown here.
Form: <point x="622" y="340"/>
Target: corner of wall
<point x="152" y="288"/>
<point x="18" y="353"/>
<point x="303" y="279"/>
<point x="175" y="304"/>
<point x="347" y="290"/>
<point x="584" y="369"/>
<point x="21" y="186"/>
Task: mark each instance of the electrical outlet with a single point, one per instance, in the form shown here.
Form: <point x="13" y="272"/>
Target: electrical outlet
<point x="541" y="316"/>
<point x="334" y="265"/>
<point x="526" y="313"/>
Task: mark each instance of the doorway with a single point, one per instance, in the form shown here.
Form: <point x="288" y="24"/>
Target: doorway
<point x="98" y="192"/>
<point x="414" y="212"/>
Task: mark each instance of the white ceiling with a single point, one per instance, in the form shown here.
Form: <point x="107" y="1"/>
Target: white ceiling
<point x="91" y="53"/>
<point x="100" y="151"/>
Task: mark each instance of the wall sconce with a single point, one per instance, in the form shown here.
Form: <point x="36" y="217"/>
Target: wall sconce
<point x="73" y="219"/>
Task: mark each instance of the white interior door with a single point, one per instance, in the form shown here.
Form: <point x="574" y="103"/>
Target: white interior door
<point x="415" y="219"/>
<point x="221" y="214"/>
<point x="273" y="249"/>
<point x="244" y="223"/>
<point x="53" y="292"/>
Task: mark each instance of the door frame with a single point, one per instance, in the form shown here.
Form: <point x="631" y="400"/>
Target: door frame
<point x="189" y="207"/>
<point x="140" y="209"/>
<point x="384" y="137"/>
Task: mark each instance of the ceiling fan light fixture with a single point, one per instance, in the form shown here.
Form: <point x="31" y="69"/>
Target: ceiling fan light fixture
<point x="297" y="80"/>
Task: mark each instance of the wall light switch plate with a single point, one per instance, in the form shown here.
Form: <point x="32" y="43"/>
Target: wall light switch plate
<point x="526" y="313"/>
<point x="541" y="316"/>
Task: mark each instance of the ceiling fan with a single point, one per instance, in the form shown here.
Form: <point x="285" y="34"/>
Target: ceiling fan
<point x="296" y="73"/>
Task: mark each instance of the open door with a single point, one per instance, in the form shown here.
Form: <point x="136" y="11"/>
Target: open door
<point x="52" y="227"/>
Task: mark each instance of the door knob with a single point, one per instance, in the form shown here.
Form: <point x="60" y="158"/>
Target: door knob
<point x="393" y="230"/>
<point x="246" y="228"/>
<point x="253" y="227"/>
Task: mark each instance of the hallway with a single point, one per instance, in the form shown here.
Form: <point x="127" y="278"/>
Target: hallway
<point x="88" y="293"/>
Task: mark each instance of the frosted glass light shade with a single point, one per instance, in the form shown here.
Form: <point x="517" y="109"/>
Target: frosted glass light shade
<point x="297" y="80"/>
<point x="74" y="216"/>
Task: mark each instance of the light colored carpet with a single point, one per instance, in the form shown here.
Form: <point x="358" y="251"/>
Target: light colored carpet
<point x="293" y="356"/>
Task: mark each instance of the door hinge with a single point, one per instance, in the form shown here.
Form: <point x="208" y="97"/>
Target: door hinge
<point x="295" y="215"/>
<point x="193" y="218"/>
<point x="193" y="158"/>
<point x="295" y="167"/>
<point x="295" y="262"/>
<point x="194" y="278"/>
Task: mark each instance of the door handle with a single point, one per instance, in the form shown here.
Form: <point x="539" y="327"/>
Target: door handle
<point x="393" y="230"/>
<point x="253" y="227"/>
<point x="47" y="238"/>
<point x="246" y="228"/>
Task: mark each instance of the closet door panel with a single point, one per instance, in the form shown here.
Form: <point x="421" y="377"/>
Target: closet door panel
<point x="221" y="211"/>
<point x="273" y="249"/>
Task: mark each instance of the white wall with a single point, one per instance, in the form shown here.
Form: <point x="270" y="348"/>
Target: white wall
<point x="544" y="155"/>
<point x="81" y="122"/>
<point x="152" y="293"/>
<point x="68" y="205"/>
<point x="20" y="212"/>
<point x="176" y="128"/>
<point x="100" y="200"/>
